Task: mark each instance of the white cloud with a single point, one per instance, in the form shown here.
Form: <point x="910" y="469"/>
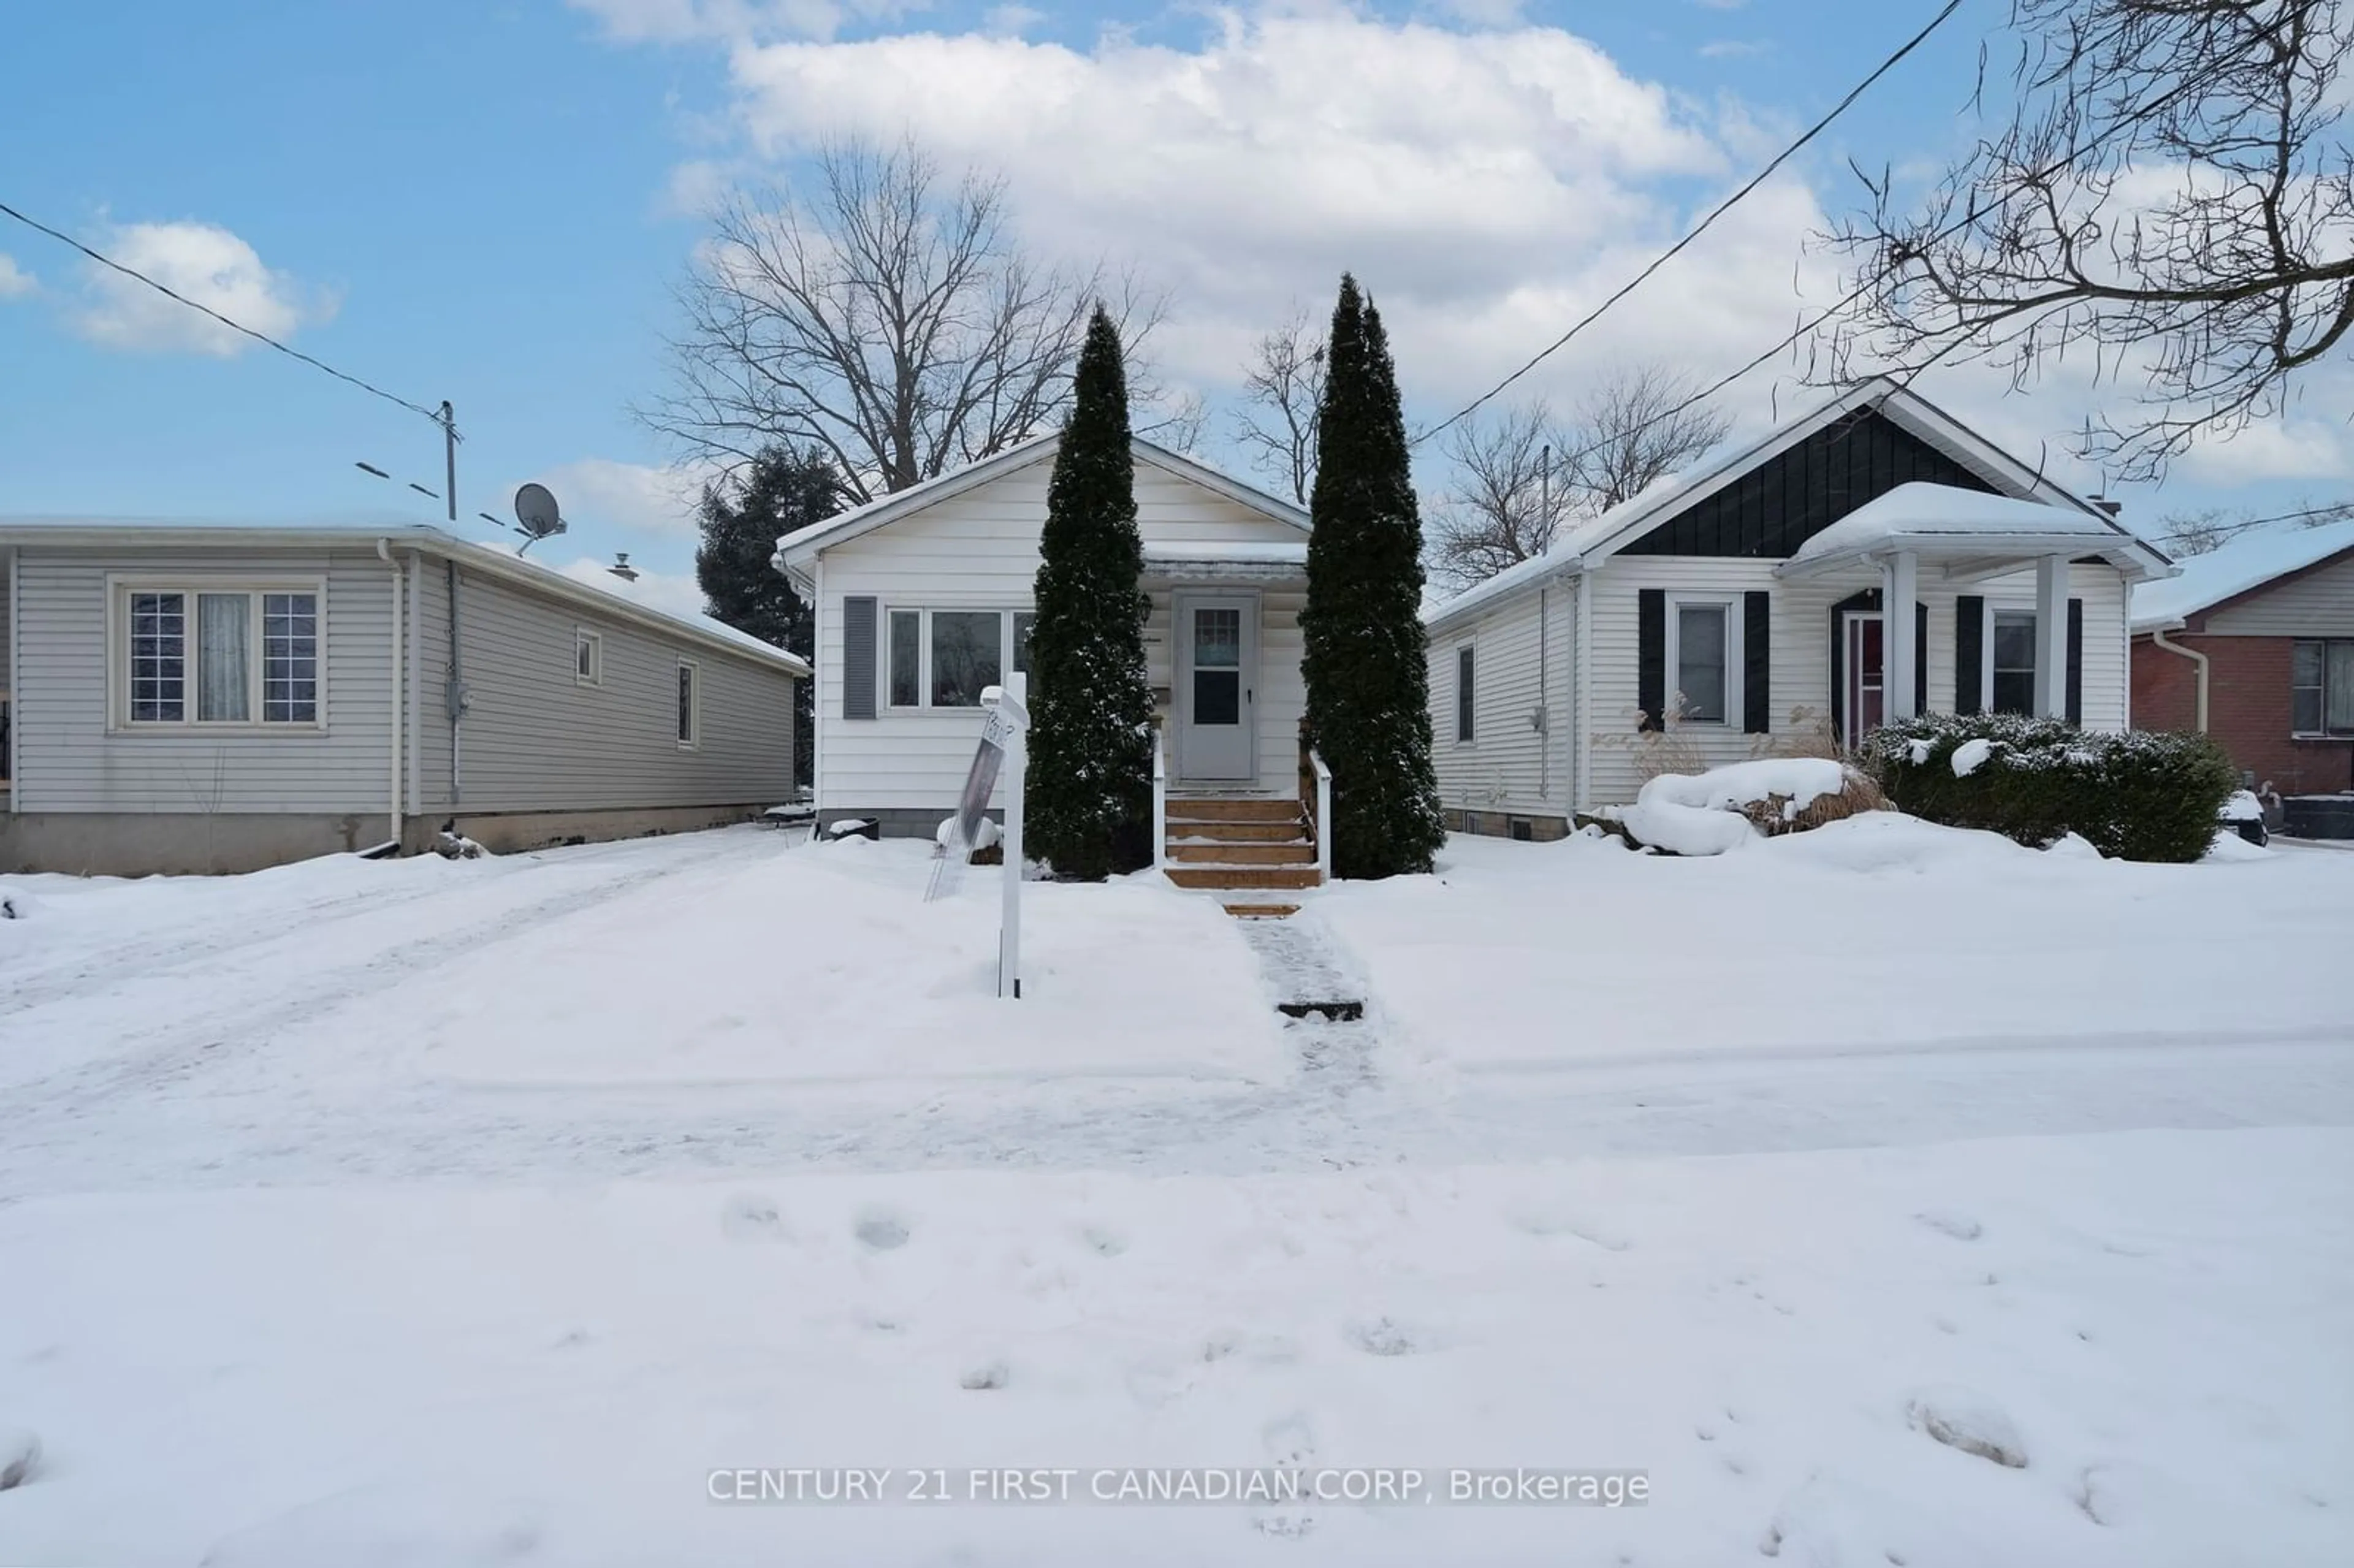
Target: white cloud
<point x="600" y="493"/>
<point x="674" y="593"/>
<point x="1489" y="186"/>
<point x="202" y="263"/>
<point x="15" y="281"/>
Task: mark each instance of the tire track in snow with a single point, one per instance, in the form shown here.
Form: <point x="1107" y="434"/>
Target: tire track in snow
<point x="168" y="1055"/>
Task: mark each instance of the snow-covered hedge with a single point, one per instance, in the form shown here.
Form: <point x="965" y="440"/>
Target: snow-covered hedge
<point x="1725" y="808"/>
<point x="2142" y="795"/>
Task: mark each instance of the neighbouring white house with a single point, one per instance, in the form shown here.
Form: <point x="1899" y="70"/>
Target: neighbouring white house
<point x="923" y="600"/>
<point x="1745" y="608"/>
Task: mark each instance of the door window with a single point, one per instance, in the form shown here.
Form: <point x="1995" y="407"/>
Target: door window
<point x="1218" y="667"/>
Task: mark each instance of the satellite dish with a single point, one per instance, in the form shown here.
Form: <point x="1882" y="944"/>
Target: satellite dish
<point x="536" y="514"/>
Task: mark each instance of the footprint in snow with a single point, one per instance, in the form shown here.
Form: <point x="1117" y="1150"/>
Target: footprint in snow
<point x="751" y="1217"/>
<point x="1382" y="1336"/>
<point x="1103" y="1241"/>
<point x="989" y="1375"/>
<point x="1290" y="1445"/>
<point x="1959" y="1226"/>
<point x="882" y="1230"/>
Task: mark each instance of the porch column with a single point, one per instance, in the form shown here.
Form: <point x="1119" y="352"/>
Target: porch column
<point x="2052" y="637"/>
<point x="1901" y="648"/>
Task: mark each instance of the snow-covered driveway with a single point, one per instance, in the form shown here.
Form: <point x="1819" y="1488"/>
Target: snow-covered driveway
<point x="475" y="1213"/>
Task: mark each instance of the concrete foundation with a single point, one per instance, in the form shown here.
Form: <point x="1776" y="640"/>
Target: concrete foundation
<point x="1509" y="825"/>
<point x="897" y="821"/>
<point x="144" y="844"/>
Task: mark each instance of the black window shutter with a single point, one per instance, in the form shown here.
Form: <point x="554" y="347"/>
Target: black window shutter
<point x="1969" y="654"/>
<point x="1651" y="657"/>
<point x="858" y="658"/>
<point x="2077" y="661"/>
<point x="1920" y="658"/>
<point x="1757" y="661"/>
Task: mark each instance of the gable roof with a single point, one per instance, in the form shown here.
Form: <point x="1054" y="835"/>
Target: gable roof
<point x="1661" y="502"/>
<point x="151" y="533"/>
<point x="798" y="549"/>
<point x="2254" y="561"/>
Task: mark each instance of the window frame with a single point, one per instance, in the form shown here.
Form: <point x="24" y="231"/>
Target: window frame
<point x="1467" y="718"/>
<point x="119" y="588"/>
<point x="1987" y="665"/>
<point x="924" y="613"/>
<point x="593" y="641"/>
<point x="2325" y="733"/>
<point x="687" y="705"/>
<point x="1730" y="604"/>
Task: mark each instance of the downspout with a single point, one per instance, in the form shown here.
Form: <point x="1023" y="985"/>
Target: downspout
<point x="399" y="667"/>
<point x="454" y="695"/>
<point x="2157" y="635"/>
<point x="1544" y="714"/>
<point x="1581" y="697"/>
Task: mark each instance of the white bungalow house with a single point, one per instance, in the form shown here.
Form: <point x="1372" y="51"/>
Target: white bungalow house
<point x="1747" y="606"/>
<point x="923" y="600"/>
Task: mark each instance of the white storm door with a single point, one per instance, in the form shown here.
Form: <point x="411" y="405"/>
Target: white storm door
<point x="1217" y="681"/>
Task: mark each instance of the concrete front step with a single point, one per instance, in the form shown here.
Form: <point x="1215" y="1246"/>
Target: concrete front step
<point x="1294" y="854"/>
<point x="1234" y="832"/>
<point x="1254" y="876"/>
<point x="1233" y="809"/>
<point x="1242" y="911"/>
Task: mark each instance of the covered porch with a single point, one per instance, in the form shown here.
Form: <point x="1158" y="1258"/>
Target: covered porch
<point x="1922" y="536"/>
<point x="1222" y="653"/>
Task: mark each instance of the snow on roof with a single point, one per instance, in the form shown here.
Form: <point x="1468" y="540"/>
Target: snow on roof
<point x="1287" y="552"/>
<point x="1922" y="512"/>
<point x="2250" y="561"/>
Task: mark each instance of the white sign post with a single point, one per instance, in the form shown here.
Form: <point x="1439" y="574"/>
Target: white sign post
<point x="1004" y="753"/>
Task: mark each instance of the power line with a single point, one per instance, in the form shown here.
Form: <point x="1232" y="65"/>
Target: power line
<point x="1862" y="288"/>
<point x="437" y="416"/>
<point x="1759" y="178"/>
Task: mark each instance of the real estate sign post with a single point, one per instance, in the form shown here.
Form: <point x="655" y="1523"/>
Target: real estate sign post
<point x="1002" y="753"/>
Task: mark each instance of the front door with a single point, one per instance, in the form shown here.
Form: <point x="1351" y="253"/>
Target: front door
<point x="1217" y="675"/>
<point x="1867" y="687"/>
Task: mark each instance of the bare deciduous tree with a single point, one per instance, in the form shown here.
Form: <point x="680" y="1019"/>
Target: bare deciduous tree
<point x="1632" y="430"/>
<point x="887" y="318"/>
<point x="1518" y="475"/>
<point x="1500" y="510"/>
<point x="1283" y="393"/>
<point x="2172" y="198"/>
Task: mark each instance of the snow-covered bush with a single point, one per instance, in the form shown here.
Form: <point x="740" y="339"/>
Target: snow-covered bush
<point x="1725" y="808"/>
<point x="2142" y="795"/>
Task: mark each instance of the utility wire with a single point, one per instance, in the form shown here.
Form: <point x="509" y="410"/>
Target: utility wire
<point x="433" y="414"/>
<point x="1861" y="289"/>
<point x="1759" y="178"/>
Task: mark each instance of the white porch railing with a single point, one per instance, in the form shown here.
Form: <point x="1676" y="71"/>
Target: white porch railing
<point x="1324" y="816"/>
<point x="1160" y="803"/>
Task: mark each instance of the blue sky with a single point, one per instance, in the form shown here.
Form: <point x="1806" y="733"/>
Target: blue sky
<point x="489" y="202"/>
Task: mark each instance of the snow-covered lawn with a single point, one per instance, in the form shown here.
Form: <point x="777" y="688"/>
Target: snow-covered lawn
<point x="475" y="1213"/>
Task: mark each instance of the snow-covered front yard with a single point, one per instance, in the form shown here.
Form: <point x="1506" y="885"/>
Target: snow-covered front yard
<point x="475" y="1213"/>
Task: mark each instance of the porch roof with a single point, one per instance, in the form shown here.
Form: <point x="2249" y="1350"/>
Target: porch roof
<point x="1970" y="532"/>
<point x="1227" y="561"/>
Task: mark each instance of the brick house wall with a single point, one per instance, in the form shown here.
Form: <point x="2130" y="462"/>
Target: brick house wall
<point x="2247" y="708"/>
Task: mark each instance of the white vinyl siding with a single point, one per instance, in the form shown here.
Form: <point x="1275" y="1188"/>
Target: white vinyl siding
<point x="2318" y="604"/>
<point x="1513" y="764"/>
<point x="1799" y="644"/>
<point x="979" y="551"/>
